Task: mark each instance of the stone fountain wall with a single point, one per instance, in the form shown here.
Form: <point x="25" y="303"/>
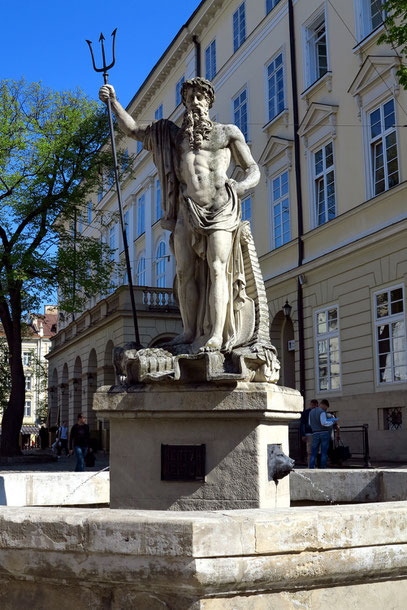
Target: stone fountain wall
<point x="249" y="559"/>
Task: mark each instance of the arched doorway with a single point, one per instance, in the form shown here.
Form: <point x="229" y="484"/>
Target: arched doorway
<point x="91" y="385"/>
<point x="64" y="410"/>
<point x="108" y="368"/>
<point x="53" y="414"/>
<point x="282" y="337"/>
<point x="77" y="388"/>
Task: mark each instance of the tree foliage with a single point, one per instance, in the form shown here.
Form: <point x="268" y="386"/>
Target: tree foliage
<point x="395" y="33"/>
<point x="51" y="158"/>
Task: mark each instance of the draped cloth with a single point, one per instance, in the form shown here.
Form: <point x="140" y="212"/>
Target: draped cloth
<point x="160" y="139"/>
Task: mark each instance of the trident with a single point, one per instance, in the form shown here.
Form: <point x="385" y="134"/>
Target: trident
<point x="116" y="176"/>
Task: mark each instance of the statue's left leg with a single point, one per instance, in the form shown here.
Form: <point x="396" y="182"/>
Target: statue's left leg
<point x="218" y="252"/>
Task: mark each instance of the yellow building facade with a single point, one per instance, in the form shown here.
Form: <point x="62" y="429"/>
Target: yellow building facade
<point x="321" y="108"/>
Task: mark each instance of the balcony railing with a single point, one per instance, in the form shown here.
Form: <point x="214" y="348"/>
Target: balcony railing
<point x="159" y="298"/>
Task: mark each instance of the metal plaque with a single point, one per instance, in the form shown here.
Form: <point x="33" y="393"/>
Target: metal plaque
<point x="182" y="462"/>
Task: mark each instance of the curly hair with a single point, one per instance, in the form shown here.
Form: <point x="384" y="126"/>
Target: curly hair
<point x="199" y="83"/>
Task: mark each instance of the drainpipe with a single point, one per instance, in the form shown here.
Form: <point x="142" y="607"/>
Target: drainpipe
<point x="297" y="165"/>
<point x="197" y="55"/>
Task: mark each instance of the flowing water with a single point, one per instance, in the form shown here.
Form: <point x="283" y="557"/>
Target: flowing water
<point x="71" y="493"/>
<point x="321" y="491"/>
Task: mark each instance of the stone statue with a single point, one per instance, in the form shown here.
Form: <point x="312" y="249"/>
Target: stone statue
<point x="218" y="280"/>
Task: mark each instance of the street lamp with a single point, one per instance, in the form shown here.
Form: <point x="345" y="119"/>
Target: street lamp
<point x="287" y="309"/>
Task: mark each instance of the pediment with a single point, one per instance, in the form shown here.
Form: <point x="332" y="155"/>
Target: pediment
<point x="274" y="148"/>
<point x="317" y="116"/>
<point x="375" y="68"/>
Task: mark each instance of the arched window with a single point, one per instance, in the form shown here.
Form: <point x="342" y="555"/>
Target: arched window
<point x="141" y="271"/>
<point x="160" y="267"/>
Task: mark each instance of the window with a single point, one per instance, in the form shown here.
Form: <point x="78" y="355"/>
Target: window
<point x="275" y="87"/>
<point x="80" y="224"/>
<point x="158" y="209"/>
<point x="110" y="179"/>
<point x="139" y="146"/>
<point x="100" y="194"/>
<point x="393" y="418"/>
<point x="210" y="61"/>
<point x="27" y="357"/>
<point x="240" y="112"/>
<point x="324" y="184"/>
<point x="281" y="210"/>
<point x="28" y="382"/>
<point x="125" y="160"/>
<point x="317" y="54"/>
<point x="390" y="335"/>
<point x="112" y="241"/>
<point x="239" y="27"/>
<point x="141" y="271"/>
<point x="177" y="92"/>
<point x="327" y="345"/>
<point x="160" y="273"/>
<point x="271" y="4"/>
<point x="126" y="224"/>
<point x="27" y="408"/>
<point x="247" y="209"/>
<point x="159" y="113"/>
<point x="383" y="148"/>
<point x="371" y="16"/>
<point x="89" y="212"/>
<point x="141" y="215"/>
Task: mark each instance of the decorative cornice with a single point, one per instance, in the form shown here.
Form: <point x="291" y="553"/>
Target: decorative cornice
<point x="318" y="115"/>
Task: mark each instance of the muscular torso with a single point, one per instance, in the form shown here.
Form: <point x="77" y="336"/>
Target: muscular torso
<point x="202" y="173"/>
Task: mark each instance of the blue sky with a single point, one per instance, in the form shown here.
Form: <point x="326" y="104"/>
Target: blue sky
<point x="44" y="40"/>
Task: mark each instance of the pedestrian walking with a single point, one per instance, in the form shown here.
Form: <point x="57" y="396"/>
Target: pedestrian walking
<point x="79" y="442"/>
<point x="62" y="439"/>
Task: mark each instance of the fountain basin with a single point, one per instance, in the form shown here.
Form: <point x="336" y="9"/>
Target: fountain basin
<point x="348" y="485"/>
<point x="54" y="488"/>
<point x="241" y="559"/>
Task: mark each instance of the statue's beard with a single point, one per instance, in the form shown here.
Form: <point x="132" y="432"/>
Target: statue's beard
<point x="197" y="126"/>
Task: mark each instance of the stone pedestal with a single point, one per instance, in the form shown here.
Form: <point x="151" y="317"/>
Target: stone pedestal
<point x="237" y="423"/>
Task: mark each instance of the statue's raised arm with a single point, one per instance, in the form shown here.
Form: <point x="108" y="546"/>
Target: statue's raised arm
<point x="126" y="122"/>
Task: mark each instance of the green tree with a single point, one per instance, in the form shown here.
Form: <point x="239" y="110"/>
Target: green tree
<point x="395" y="33"/>
<point x="51" y="158"/>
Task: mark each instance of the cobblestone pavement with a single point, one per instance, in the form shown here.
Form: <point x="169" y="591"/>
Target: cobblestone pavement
<point x="63" y="464"/>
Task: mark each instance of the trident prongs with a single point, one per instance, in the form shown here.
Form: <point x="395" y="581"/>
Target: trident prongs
<point x="116" y="177"/>
<point x="105" y="67"/>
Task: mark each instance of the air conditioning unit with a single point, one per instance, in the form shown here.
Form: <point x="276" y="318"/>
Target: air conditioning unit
<point x="291" y="345"/>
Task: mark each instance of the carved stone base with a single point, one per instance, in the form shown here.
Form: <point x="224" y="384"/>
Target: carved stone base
<point x="176" y="363"/>
<point x="160" y="433"/>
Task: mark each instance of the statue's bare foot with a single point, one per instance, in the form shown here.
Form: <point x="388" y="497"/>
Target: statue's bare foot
<point x="212" y="345"/>
<point x="181" y="339"/>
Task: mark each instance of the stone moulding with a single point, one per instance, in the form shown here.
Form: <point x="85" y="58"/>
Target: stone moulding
<point x="255" y="363"/>
<point x="191" y="560"/>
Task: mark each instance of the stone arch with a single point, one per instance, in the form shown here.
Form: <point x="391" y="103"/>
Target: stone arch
<point x="53" y="410"/>
<point x="77" y="388"/>
<point x="160" y="339"/>
<point x="90" y="388"/>
<point x="281" y="332"/>
<point x="64" y="403"/>
<point x="108" y="368"/>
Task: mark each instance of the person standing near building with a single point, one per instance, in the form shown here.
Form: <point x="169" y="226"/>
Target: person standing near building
<point x="62" y="438"/>
<point x="79" y="442"/>
<point x="321" y="427"/>
<point x="305" y="428"/>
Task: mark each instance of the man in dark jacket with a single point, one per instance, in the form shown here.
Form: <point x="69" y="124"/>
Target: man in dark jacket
<point x="79" y="442"/>
<point x="305" y="428"/>
<point x="321" y="432"/>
